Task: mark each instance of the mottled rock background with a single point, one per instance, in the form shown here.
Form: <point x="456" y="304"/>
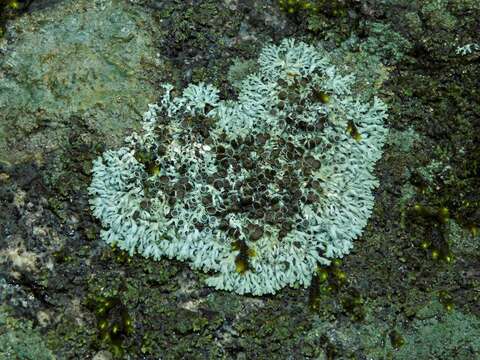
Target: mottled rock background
<point x="75" y="77"/>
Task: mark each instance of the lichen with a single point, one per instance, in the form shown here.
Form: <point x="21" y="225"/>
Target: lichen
<point x="258" y="190"/>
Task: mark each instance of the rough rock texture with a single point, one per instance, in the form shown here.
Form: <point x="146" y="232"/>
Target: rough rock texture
<point x="409" y="290"/>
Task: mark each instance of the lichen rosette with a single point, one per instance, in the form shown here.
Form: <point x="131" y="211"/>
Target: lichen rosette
<point x="256" y="191"/>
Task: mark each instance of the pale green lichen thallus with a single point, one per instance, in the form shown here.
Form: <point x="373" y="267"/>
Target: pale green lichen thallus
<point x="256" y="190"/>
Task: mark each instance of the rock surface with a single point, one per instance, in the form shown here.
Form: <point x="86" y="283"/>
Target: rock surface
<point x="76" y="75"/>
<point x="73" y="59"/>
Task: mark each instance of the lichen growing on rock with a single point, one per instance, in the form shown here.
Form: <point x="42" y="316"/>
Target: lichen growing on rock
<point x="258" y="190"/>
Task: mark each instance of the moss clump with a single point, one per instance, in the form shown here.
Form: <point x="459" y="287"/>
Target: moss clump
<point x="114" y="323"/>
<point x="434" y="222"/>
<point x="330" y="289"/>
<point x="332" y="19"/>
<point x="329" y="7"/>
<point x="396" y="339"/>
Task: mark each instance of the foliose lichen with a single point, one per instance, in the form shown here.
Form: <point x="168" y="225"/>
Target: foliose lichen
<point x="256" y="191"/>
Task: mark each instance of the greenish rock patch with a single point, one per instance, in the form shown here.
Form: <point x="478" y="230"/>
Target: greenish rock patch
<point x="78" y="58"/>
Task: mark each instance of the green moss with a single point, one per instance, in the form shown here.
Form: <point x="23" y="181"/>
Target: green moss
<point x="113" y="322"/>
<point x="332" y="20"/>
<point x="330" y="7"/>
<point x="396" y="339"/>
<point x="330" y="289"/>
<point x="175" y="331"/>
